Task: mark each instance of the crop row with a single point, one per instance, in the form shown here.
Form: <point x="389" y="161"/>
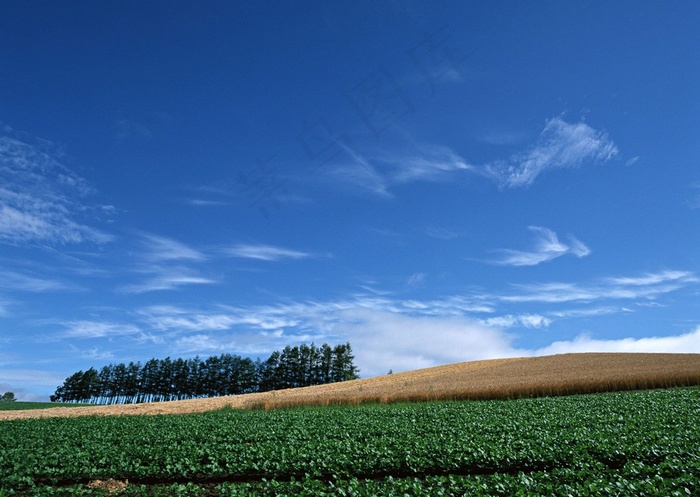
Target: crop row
<point x="639" y="443"/>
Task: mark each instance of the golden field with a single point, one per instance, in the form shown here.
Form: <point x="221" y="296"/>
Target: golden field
<point x="564" y="374"/>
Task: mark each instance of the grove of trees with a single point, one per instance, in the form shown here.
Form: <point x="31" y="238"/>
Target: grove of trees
<point x="8" y="397"/>
<point x="226" y="374"/>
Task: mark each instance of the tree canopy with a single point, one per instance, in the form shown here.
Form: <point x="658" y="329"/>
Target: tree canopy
<point x="8" y="397"/>
<point x="226" y="374"/>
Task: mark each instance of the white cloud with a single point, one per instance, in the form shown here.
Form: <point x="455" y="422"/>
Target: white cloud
<point x="169" y="317"/>
<point x="4" y="305"/>
<point x="360" y="174"/>
<point x="164" y="261"/>
<point x="649" y="286"/>
<point x="560" y="145"/>
<point x="265" y="252"/>
<point x="427" y="163"/>
<point x="166" y="249"/>
<point x="654" y="278"/>
<point x="524" y="320"/>
<point x="416" y="279"/>
<point x="42" y="200"/>
<point x="547" y="247"/>
<point x="205" y="203"/>
<point x="167" y="278"/>
<point x="684" y="343"/>
<point x="26" y="283"/>
<point x="98" y="329"/>
<point x="383" y="340"/>
<point x="442" y="233"/>
<point x="588" y="312"/>
<point x="694" y="201"/>
<point x="390" y="333"/>
<point x="377" y="174"/>
<point x="632" y="161"/>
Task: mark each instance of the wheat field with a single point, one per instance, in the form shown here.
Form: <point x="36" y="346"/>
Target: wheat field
<point x="564" y="374"/>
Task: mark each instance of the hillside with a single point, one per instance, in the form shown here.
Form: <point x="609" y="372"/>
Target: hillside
<point x="564" y="374"/>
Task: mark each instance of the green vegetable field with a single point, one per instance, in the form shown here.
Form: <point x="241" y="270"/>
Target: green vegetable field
<point x="635" y="443"/>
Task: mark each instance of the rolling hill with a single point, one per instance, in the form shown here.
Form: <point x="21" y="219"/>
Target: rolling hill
<point x="564" y="374"/>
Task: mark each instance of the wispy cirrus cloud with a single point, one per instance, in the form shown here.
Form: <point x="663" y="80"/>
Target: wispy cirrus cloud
<point x="426" y="163"/>
<point x="168" y="317"/>
<point x="560" y="145"/>
<point x="502" y="136"/>
<point x="442" y="233"/>
<point x="546" y="248"/>
<point x="264" y="252"/>
<point x="694" y="201"/>
<point x="649" y="286"/>
<point x="651" y="279"/>
<point x="161" y="248"/>
<point x="417" y="333"/>
<point x="378" y="172"/>
<point x="4" y="307"/>
<point x="98" y="329"/>
<point x="167" y="279"/>
<point x="360" y="174"/>
<point x="14" y="280"/>
<point x="166" y="264"/>
<point x="41" y="199"/>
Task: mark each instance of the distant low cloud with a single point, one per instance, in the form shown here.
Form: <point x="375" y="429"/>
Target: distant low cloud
<point x="546" y="248"/>
<point x="560" y="145"/>
<point x="385" y="340"/>
<point x="524" y="320"/>
<point x="41" y="199"/>
<point x="22" y="381"/>
<point x="387" y="332"/>
<point x="683" y="343"/>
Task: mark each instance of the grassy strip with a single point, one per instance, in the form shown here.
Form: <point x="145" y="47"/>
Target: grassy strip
<point x="30" y="406"/>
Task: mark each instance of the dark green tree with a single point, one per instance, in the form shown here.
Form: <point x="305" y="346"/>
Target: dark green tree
<point x="226" y="374"/>
<point x="8" y="397"/>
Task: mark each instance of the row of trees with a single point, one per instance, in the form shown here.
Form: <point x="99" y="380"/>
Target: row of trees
<point x="226" y="374"/>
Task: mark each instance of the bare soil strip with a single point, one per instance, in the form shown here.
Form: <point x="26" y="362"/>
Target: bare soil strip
<point x="564" y="374"/>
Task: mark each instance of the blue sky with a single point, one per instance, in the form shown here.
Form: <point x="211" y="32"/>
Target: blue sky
<point x="434" y="183"/>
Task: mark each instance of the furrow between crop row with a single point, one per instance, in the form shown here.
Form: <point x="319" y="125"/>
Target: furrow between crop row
<point x="471" y="470"/>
